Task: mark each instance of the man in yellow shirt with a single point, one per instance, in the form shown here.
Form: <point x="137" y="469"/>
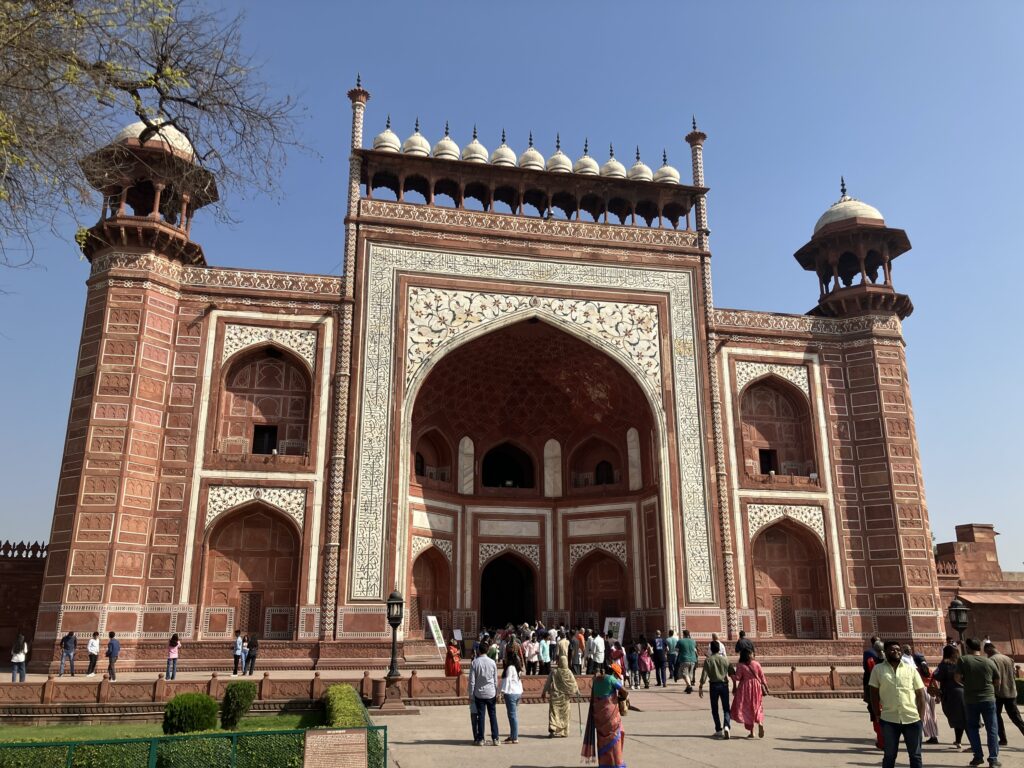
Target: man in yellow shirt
<point x="897" y="698"/>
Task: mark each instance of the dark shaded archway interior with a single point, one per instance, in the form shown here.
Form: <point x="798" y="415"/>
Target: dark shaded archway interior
<point x="507" y="592"/>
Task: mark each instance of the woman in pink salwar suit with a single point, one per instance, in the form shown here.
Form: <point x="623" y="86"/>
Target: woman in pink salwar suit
<point x="748" y="693"/>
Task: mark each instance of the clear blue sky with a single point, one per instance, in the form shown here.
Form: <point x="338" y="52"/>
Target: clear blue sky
<point x="919" y="104"/>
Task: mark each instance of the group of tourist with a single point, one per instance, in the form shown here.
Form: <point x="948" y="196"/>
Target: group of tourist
<point x="973" y="684"/>
<point x="244" y="651"/>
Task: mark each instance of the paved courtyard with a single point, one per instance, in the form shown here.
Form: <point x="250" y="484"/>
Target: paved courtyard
<point x="671" y="729"/>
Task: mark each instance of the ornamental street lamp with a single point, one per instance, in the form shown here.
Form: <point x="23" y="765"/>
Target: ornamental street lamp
<point x="395" y="609"/>
<point x="958" y="614"/>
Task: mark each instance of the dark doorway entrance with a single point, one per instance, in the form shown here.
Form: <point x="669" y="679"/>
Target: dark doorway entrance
<point x="507" y="592"/>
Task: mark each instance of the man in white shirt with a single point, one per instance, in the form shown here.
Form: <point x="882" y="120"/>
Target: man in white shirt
<point x="599" y="650"/>
<point x="93" y="647"/>
<point x="483" y="687"/>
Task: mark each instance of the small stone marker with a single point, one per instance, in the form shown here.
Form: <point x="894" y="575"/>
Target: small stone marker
<point x="335" y="748"/>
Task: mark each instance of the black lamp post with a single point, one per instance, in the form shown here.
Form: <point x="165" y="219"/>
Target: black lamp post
<point x="395" y="609"/>
<point x="957" y="614"/>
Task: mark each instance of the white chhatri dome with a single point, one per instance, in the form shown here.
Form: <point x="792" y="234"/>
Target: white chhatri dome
<point x="416" y="145"/>
<point x="666" y="174"/>
<point x="387" y="140"/>
<point x="640" y="171"/>
<point x="586" y="165"/>
<point x="531" y="158"/>
<point x="446" y="149"/>
<point x="503" y="155"/>
<point x="613" y="169"/>
<point x="847" y="207"/>
<point x="166" y="134"/>
<point x="474" y="152"/>
<point x="559" y="162"/>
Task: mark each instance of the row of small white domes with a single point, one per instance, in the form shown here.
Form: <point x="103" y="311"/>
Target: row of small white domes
<point x="475" y="152"/>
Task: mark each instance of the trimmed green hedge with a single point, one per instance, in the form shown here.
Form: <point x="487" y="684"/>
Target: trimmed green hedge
<point x="345" y="709"/>
<point x="190" y="712"/>
<point x="238" y="698"/>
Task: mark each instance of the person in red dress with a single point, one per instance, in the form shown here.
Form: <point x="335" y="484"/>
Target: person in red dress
<point x="749" y="690"/>
<point x="452" y="660"/>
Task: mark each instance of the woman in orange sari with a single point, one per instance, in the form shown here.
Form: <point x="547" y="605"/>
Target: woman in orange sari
<point x="604" y="738"/>
<point x="452" y="661"/>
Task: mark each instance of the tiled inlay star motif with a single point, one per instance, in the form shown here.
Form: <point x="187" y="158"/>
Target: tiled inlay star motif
<point x="371" y="491"/>
<point x="747" y="371"/>
<point x="762" y="515"/>
<point x="239" y="337"/>
<point x="221" y="498"/>
<point x="437" y="315"/>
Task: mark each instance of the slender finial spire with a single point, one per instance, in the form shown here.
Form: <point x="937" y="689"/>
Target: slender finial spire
<point x="417" y="125"/>
<point x="474" y="131"/>
<point x="611" y="150"/>
<point x="502" y="135"/>
<point x="359" y="81"/>
<point x="531" y="138"/>
<point x="664" y="157"/>
<point x="387" y="123"/>
<point x="638" y="153"/>
<point x="445" y="127"/>
<point x="558" y="142"/>
<point x="842" y="186"/>
<point x="586" y="146"/>
<point x="694" y="122"/>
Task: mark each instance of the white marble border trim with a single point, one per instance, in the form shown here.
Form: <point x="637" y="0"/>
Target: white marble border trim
<point x="313" y="572"/>
<point x="372" y="455"/>
<point x="825" y="497"/>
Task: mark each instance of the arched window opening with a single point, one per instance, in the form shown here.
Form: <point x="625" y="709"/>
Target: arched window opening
<point x="595" y="462"/>
<point x="433" y="459"/>
<point x="776" y="430"/>
<point x="507" y="466"/>
<point x="791" y="591"/>
<point x="849" y="268"/>
<point x="265" y="406"/>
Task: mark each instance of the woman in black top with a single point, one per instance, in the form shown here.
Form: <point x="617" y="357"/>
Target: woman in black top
<point x="950" y="692"/>
<point x="254" y="651"/>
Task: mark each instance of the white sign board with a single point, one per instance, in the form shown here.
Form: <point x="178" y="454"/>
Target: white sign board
<point x="435" y="630"/>
<point x="615" y="629"/>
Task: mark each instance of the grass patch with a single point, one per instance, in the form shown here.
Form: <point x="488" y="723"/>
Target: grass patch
<point x="70" y="732"/>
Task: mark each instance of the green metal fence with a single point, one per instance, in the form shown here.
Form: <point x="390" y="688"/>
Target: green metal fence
<point x="253" y="749"/>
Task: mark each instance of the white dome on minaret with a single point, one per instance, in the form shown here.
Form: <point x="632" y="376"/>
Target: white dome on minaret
<point x="446" y="149"/>
<point x="666" y="174"/>
<point x="503" y="155"/>
<point x="847" y="207"/>
<point x="474" y="152"/>
<point x="613" y="169"/>
<point x="531" y="159"/>
<point x="387" y="140"/>
<point x="639" y="170"/>
<point x="416" y="145"/>
<point x="586" y="165"/>
<point x="559" y="162"/>
<point x="167" y="135"/>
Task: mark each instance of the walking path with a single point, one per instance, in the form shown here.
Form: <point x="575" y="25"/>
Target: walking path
<point x="672" y="729"/>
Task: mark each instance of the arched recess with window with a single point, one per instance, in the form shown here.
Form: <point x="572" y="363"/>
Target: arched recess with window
<point x="432" y="460"/>
<point x="595" y="462"/>
<point x="430" y="591"/>
<point x="506" y="465"/>
<point x="252" y="568"/>
<point x="265" y="403"/>
<point x="791" y="584"/>
<point x="599" y="589"/>
<point x="775" y="429"/>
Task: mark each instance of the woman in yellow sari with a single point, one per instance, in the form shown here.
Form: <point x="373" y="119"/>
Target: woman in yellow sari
<point x="559" y="690"/>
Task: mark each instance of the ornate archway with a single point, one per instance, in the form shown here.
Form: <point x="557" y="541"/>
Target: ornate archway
<point x="791" y="584"/>
<point x="508" y="591"/>
<point x="599" y="589"/>
<point x="429" y="592"/>
<point x="252" y="574"/>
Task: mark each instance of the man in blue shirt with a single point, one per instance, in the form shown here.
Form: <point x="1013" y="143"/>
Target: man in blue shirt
<point x="660" y="659"/>
<point x="113" y="651"/>
<point x="68" y="644"/>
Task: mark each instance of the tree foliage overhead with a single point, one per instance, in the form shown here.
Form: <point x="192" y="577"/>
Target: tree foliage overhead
<point x="74" y="72"/>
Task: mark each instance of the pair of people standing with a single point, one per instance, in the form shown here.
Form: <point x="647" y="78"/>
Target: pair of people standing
<point x="749" y="690"/>
<point x="245" y="650"/>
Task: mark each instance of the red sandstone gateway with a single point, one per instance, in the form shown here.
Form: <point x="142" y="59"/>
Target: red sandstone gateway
<point x="517" y="403"/>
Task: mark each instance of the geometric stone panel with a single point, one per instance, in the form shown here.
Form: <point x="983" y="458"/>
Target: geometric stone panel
<point x="221" y="498"/>
<point x="239" y="337"/>
<point x="761" y="515"/>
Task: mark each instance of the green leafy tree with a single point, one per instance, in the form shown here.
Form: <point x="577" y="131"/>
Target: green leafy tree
<point x="74" y="72"/>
